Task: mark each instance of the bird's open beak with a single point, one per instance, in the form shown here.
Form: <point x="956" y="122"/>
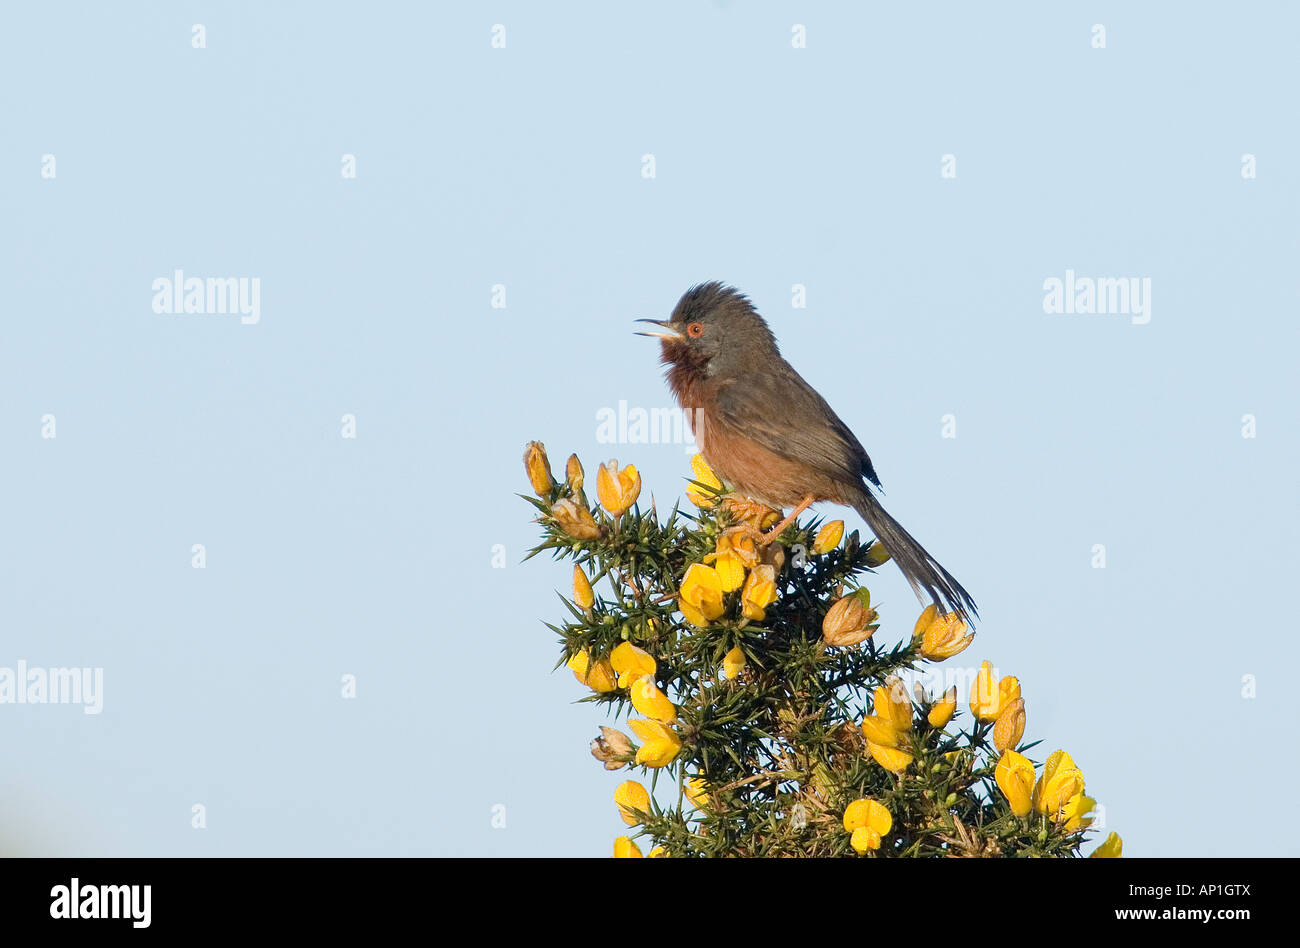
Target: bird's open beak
<point x="670" y="334"/>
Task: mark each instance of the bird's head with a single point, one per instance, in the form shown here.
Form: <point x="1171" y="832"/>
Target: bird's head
<point x="714" y="328"/>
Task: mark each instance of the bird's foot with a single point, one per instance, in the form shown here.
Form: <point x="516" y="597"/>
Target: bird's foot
<point x="794" y="515"/>
<point x="750" y="513"/>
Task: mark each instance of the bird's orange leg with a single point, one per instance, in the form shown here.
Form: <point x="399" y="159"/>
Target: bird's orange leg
<point x="794" y="515"/>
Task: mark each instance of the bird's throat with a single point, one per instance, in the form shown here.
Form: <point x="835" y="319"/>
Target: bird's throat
<point x="687" y="375"/>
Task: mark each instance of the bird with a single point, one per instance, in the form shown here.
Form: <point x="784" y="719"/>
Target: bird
<point x="771" y="437"/>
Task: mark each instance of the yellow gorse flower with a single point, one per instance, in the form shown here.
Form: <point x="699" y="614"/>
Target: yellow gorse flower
<point x="885" y="729"/>
<point x="988" y="700"/>
<point x="733" y="663"/>
<point x="703" y="475"/>
<point x="630" y="797"/>
<point x="1010" y="726"/>
<point x="1061" y="780"/>
<point x="583" y="596"/>
<point x="1075" y="813"/>
<point x="700" y="598"/>
<point x="735" y="553"/>
<point x="598" y="676"/>
<point x="538" y="468"/>
<point x="759" y="592"/>
<point x="943" y="709"/>
<point x="1015" y="778"/>
<point x="1112" y="848"/>
<point x="575" y="519"/>
<point x="941" y="635"/>
<point x="658" y="852"/>
<point x="650" y="701"/>
<point x="878" y="730"/>
<point x="893" y="758"/>
<point x="868" y="821"/>
<point x="630" y="663"/>
<point x="624" y="848"/>
<point x="661" y="743"/>
<point x="617" y="489"/>
<point x="828" y="537"/>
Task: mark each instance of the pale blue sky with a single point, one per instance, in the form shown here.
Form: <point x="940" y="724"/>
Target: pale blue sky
<point x="522" y="166"/>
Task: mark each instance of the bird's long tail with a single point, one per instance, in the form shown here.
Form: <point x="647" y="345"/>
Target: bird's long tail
<point x="921" y="569"/>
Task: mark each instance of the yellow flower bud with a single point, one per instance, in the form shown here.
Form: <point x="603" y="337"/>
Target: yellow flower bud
<point x="703" y="475"/>
<point x="583" y="596"/>
<point x="631" y="663"/>
<point x="868" y="821"/>
<point x="538" y="468"/>
<point x="1112" y="848"/>
<point x="613" y="748"/>
<point x="657" y="853"/>
<point x="1010" y="726"/>
<point x="828" y="537"/>
<point x="983" y="695"/>
<point x="630" y="797"/>
<point x="700" y="598"/>
<point x="892" y="703"/>
<point x="848" y="622"/>
<point x="661" y="743"/>
<point x="1060" y="781"/>
<point x="759" y="593"/>
<point x="943" y="709"/>
<point x="941" y="635"/>
<point x="575" y="520"/>
<point x="1015" y="778"/>
<point x="624" y="848"/>
<point x="697" y="791"/>
<point x="617" y="489"/>
<point x="987" y="700"/>
<point x="650" y="701"/>
<point x="1008" y="692"/>
<point x="573" y="473"/>
<point x="733" y="663"/>
<point x="877" y="555"/>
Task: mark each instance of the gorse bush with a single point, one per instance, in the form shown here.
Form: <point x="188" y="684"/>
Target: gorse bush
<point x="767" y="710"/>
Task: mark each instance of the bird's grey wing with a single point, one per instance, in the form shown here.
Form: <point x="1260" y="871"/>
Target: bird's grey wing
<point x="784" y="414"/>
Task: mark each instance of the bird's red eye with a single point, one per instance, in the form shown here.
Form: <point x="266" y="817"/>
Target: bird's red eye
<point x="695" y="330"/>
